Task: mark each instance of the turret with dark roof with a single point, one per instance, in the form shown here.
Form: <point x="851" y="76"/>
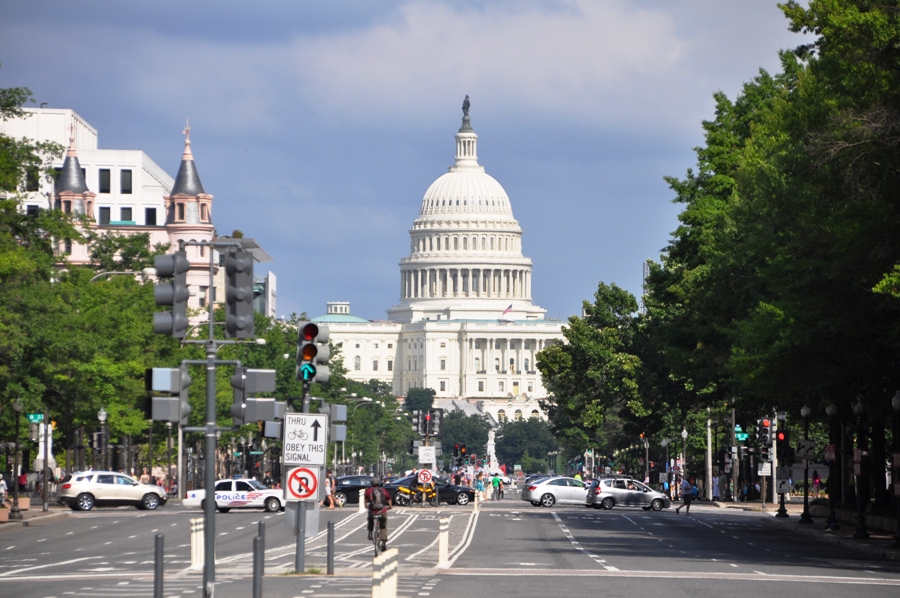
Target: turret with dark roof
<point x="188" y="203"/>
<point x="71" y="177"/>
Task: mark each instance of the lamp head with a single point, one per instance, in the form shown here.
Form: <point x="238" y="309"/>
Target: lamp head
<point x="831" y="410"/>
<point x="101" y="415"/>
<point x="895" y="402"/>
<point x="805" y="412"/>
<point x="684" y="434"/>
<point x="17" y="406"/>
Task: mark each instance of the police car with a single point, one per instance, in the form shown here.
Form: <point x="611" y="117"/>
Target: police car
<point x="239" y="494"/>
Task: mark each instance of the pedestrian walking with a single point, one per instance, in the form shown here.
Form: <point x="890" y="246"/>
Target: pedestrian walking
<point x="686" y="495"/>
<point x="715" y="487"/>
<point x="495" y="487"/>
<point x="329" y="491"/>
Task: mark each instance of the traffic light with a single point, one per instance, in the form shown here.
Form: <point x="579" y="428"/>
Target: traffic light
<point x="783" y="445"/>
<point x="174" y="294"/>
<point x="34" y="432"/>
<point x="417" y="421"/>
<point x="763" y="429"/>
<point x="434" y="420"/>
<point x="97" y="441"/>
<point x="246" y="409"/>
<point x="456" y="450"/>
<point x="239" y="294"/>
<point x="175" y="381"/>
<point x="313" y="353"/>
<point x="462" y="452"/>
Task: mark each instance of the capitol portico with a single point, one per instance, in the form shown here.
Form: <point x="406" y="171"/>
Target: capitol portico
<point x="465" y="324"/>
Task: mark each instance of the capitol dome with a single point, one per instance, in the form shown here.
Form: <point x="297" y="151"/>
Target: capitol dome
<point x="465" y="256"/>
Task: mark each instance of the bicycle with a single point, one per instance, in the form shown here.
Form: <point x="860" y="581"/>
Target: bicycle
<point x="380" y="545"/>
<point x="297" y="435"/>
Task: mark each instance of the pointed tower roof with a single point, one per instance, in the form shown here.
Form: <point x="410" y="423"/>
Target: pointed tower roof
<point x="187" y="181"/>
<point x="71" y="177"/>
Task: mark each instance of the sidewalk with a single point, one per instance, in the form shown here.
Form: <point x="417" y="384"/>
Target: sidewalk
<point x="878" y="543"/>
<point x="35" y="515"/>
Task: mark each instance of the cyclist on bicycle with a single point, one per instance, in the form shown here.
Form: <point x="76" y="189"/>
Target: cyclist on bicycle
<point x="378" y="501"/>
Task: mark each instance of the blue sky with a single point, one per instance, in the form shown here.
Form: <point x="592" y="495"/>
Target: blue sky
<point x="318" y="126"/>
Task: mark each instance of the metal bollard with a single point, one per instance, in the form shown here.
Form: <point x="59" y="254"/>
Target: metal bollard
<point x="329" y="569"/>
<point x="258" y="560"/>
<point x="197" y="543"/>
<point x="443" y="542"/>
<point x="158" y="566"/>
<point x="384" y="574"/>
<point x="362" y="501"/>
<point x="262" y="535"/>
<point x="475" y="502"/>
<point x="300" y="553"/>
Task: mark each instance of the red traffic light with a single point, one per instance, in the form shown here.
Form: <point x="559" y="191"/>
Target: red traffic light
<point x="780" y="436"/>
<point x="309" y="332"/>
<point x="765" y="423"/>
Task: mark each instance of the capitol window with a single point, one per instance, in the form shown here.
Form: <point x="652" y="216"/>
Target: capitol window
<point x="497" y="364"/>
<point x="443" y="345"/>
<point x="375" y="365"/>
<point x="531" y="387"/>
<point x="501" y="386"/>
<point x="518" y="415"/>
<point x="526" y="365"/>
<point x="443" y="386"/>
<point x="443" y="364"/>
<point x="477" y="364"/>
<point x="501" y="415"/>
<point x="535" y="413"/>
<point x="357" y="363"/>
<point x="481" y="386"/>
<point x="390" y="366"/>
<point x="390" y="345"/>
<point x="455" y="243"/>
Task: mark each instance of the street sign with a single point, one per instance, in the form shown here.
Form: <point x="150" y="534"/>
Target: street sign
<point x="806" y="449"/>
<point x="35" y="418"/>
<point x="742" y="436"/>
<point x="427" y="455"/>
<point x="829" y="452"/>
<point x="784" y="486"/>
<point x="305" y="439"/>
<point x="764" y="469"/>
<point x="302" y="484"/>
<point x="663" y="478"/>
<point x="424" y="476"/>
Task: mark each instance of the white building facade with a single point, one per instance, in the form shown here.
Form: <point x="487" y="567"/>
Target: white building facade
<point x="465" y="324"/>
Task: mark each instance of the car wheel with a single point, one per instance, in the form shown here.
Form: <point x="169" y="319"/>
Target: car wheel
<point x="462" y="498"/>
<point x="657" y="504"/>
<point x="535" y="503"/>
<point x="401" y="500"/>
<point x="340" y="498"/>
<point x="548" y="500"/>
<point x="84" y="502"/>
<point x="607" y="503"/>
<point x="224" y="509"/>
<point x="150" y="501"/>
<point x="273" y="505"/>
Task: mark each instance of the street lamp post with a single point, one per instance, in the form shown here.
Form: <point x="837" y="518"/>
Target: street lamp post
<point x="101" y="415"/>
<point x="15" y="513"/>
<point x="805" y="412"/>
<point x="862" y="480"/>
<point x="782" y="511"/>
<point x="665" y="444"/>
<point x="895" y="403"/>
<point x="831" y="522"/>
<point x="684" y="436"/>
<point x="168" y="455"/>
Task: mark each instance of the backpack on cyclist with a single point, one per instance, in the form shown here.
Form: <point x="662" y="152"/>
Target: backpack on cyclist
<point x="378" y="502"/>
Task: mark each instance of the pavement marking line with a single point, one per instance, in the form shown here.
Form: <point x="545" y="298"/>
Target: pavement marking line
<point x="628" y="518"/>
<point x="602" y="562"/>
<point x="467" y="539"/>
<point x="84" y="558"/>
<point x="706" y="524"/>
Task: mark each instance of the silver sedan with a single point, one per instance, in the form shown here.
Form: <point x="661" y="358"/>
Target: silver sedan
<point x="547" y="492"/>
<point x="609" y="492"/>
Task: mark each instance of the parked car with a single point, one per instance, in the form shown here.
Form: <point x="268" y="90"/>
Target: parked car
<point x="346" y="488"/>
<point x="549" y="491"/>
<point x="83" y="490"/>
<point x="606" y="493"/>
<point x="448" y="493"/>
<point x="239" y="494"/>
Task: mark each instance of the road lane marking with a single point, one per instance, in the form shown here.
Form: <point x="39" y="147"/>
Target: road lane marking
<point x="84" y="558"/>
<point x="602" y="562"/>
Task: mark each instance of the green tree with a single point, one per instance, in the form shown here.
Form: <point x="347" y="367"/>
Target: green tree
<point x="516" y="439"/>
<point x="470" y="430"/>
<point x="419" y="398"/>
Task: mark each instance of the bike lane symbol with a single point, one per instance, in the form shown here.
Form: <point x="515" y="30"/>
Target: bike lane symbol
<point x="302" y="484"/>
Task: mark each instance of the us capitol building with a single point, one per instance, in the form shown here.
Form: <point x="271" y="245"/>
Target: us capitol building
<point x="465" y="325"/>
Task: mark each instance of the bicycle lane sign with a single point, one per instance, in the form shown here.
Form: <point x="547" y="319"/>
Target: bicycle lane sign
<point x="305" y="438"/>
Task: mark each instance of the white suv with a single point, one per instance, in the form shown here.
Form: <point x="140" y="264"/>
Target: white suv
<point x="83" y="490"/>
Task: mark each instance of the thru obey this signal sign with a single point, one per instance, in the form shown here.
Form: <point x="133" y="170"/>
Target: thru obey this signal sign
<point x="302" y="484"/>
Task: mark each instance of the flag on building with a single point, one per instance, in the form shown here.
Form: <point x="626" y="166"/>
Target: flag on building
<point x="507" y="310"/>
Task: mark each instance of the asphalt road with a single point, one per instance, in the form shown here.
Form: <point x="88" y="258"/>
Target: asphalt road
<point x="508" y="545"/>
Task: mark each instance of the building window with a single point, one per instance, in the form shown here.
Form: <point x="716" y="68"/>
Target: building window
<point x="203" y="212"/>
<point x="32" y="179"/>
<point x="443" y="386"/>
<point x="104" y="180"/>
<point x="374" y="365"/>
<point x="512" y="365"/>
<point x="526" y="365"/>
<point x="390" y="365"/>
<point x="67" y="207"/>
<point x="497" y="345"/>
<point x="203" y="291"/>
<point x="104" y="215"/>
<point x="527" y="345"/>
<point x="68" y="247"/>
<point x="126" y="214"/>
<point x="477" y="364"/>
<point x="443" y="345"/>
<point x="390" y="345"/>
<point x="497" y="364"/>
<point x="535" y="413"/>
<point x="376" y="345"/>
<point x="443" y="364"/>
<point x="518" y="415"/>
<point x="357" y="345"/>
<point x="150" y="216"/>
<point x="126" y="182"/>
<point x="32" y="210"/>
<point x="501" y="415"/>
<point x="357" y="363"/>
<point x="415" y="365"/>
<point x="502" y="387"/>
<point x="477" y="345"/>
<point x="531" y="387"/>
<point x="180" y="215"/>
<point x="481" y="386"/>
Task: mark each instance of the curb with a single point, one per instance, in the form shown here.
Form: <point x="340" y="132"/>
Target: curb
<point x="35" y="521"/>
<point x="837" y="540"/>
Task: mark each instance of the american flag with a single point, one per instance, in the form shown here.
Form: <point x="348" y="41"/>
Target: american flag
<point x="507" y="310"/>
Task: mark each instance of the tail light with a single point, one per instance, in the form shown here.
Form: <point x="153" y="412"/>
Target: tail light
<point x="532" y="488"/>
<point x="599" y="490"/>
<point x="66" y="486"/>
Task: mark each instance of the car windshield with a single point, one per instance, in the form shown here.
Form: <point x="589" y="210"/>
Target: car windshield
<point x="256" y="484"/>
